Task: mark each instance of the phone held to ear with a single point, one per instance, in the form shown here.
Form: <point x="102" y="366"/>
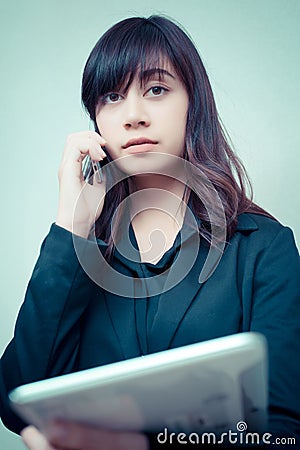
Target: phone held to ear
<point x="91" y="167"/>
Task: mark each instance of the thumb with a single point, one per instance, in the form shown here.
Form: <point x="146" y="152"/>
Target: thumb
<point x="34" y="439"/>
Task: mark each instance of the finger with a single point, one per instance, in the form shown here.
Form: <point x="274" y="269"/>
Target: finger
<point x="76" y="436"/>
<point x="96" y="144"/>
<point x="84" y="146"/>
<point x="96" y="152"/>
<point x="80" y="144"/>
<point x="34" y="440"/>
<point x="94" y="135"/>
<point x="76" y="150"/>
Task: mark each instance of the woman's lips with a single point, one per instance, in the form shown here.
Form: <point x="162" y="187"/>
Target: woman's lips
<point x="140" y="148"/>
<point x="139" y="145"/>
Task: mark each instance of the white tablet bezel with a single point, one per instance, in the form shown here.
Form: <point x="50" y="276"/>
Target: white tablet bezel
<point x="133" y="394"/>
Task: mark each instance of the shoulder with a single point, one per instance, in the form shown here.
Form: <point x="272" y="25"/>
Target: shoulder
<point x="263" y="231"/>
<point x="254" y="222"/>
<point x="259" y="225"/>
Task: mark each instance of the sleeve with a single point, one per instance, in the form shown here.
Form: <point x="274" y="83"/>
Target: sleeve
<point x="276" y="314"/>
<point x="47" y="332"/>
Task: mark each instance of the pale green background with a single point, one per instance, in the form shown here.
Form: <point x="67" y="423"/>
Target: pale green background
<point x="251" y="51"/>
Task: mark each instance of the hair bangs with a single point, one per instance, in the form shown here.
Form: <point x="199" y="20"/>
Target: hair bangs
<point x="123" y="53"/>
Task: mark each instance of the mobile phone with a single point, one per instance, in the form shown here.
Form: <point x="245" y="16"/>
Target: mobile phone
<point x="91" y="167"/>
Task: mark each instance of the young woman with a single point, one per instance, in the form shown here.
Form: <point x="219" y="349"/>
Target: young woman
<point x="172" y="200"/>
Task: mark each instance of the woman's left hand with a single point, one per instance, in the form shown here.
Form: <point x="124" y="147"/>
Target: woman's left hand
<point x="71" y="436"/>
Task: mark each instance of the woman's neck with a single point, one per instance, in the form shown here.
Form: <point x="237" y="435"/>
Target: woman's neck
<point x="157" y="205"/>
<point x="157" y="192"/>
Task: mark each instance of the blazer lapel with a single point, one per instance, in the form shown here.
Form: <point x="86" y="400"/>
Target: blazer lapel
<point x="175" y="302"/>
<point x="122" y="315"/>
<point x="122" y="308"/>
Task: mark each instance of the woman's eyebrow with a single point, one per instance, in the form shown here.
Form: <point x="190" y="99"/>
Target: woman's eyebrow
<point x="150" y="73"/>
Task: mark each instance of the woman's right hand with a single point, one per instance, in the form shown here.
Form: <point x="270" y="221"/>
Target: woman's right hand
<point x="71" y="436"/>
<point x="79" y="208"/>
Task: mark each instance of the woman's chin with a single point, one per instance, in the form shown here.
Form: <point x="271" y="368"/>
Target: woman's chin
<point x="151" y="163"/>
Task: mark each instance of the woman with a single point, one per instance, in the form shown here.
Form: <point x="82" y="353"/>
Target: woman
<point x="179" y="194"/>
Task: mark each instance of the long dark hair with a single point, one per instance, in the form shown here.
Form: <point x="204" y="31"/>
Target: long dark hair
<point x="128" y="49"/>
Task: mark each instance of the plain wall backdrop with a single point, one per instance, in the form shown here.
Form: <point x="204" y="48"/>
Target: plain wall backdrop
<point x="251" y="51"/>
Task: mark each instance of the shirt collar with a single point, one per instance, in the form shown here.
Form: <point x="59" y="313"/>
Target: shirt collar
<point x="245" y="223"/>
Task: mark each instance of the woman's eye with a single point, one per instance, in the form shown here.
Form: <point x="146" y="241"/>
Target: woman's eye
<point x="157" y="90"/>
<point x="112" y="97"/>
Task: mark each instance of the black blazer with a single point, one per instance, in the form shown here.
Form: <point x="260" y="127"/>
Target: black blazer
<point x="68" y="323"/>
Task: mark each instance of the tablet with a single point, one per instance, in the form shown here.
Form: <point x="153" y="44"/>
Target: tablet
<point x="207" y="386"/>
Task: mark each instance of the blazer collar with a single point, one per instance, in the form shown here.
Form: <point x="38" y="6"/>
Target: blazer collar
<point x="246" y="223"/>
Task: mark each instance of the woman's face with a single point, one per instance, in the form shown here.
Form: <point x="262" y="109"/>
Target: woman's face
<point x="147" y="119"/>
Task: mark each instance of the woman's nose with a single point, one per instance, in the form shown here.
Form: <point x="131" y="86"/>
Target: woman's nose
<point x="135" y="114"/>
